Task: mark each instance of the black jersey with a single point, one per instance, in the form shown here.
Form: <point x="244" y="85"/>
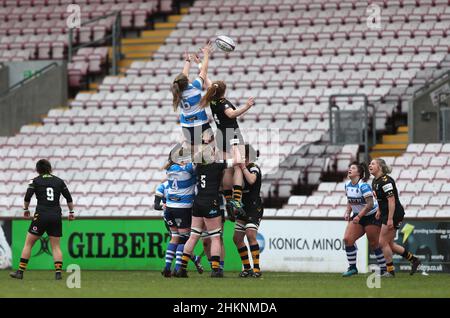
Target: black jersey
<point x="48" y="189"/>
<point x="251" y="195"/>
<point x="218" y="108"/>
<point x="385" y="188"/>
<point x="209" y="179"/>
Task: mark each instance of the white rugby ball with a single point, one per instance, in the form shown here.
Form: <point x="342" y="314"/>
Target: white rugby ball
<point x="225" y="43"/>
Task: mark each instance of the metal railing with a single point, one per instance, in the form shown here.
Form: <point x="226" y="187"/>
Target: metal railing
<point x="29" y="78"/>
<point x="360" y="119"/>
<point x="115" y="38"/>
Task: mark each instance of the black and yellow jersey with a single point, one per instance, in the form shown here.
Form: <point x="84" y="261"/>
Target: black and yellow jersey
<point x="209" y="180"/>
<point x="218" y="108"/>
<point x="251" y="195"/>
<point x="48" y="189"/>
<point x="385" y="188"/>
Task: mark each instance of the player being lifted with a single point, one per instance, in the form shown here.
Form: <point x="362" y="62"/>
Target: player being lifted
<point x="206" y="210"/>
<point x="47" y="217"/>
<point x="187" y="96"/>
<point x="391" y="213"/>
<point x="178" y="212"/>
<point x="247" y="224"/>
<point x="228" y="138"/>
<point x="361" y="204"/>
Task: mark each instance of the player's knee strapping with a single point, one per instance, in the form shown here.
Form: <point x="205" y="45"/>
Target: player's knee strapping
<point x="216" y="232"/>
<point x="251" y="226"/>
<point x="196" y="231"/>
<point x="238" y="227"/>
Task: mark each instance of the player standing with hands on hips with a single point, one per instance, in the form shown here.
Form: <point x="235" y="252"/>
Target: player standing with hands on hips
<point x="391" y="213"/>
<point x="47" y="217"/>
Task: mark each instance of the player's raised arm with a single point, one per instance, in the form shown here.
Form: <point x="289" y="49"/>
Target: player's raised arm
<point x="233" y="113"/>
<point x="208" y="81"/>
<point x="187" y="64"/>
<point x="204" y="69"/>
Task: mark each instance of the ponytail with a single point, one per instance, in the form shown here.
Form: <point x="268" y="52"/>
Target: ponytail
<point x="214" y="92"/>
<point x="180" y="83"/>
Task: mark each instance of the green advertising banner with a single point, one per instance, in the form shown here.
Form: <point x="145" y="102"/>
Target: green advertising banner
<point x="113" y="245"/>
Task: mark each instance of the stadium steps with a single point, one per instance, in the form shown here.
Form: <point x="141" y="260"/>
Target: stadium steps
<point x="392" y="145"/>
<point x="143" y="47"/>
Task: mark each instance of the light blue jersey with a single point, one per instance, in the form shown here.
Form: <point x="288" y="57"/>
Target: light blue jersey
<point x="162" y="191"/>
<point x="181" y="188"/>
<point x="356" y="194"/>
<point x="191" y="113"/>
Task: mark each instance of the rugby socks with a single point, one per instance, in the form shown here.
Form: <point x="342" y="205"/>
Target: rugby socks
<point x="237" y="192"/>
<point x="390" y="268"/>
<point x="179" y="256"/>
<point x="243" y="253"/>
<point x="351" y="256"/>
<point x="23" y="264"/>
<point x="409" y="256"/>
<point x="228" y="194"/>
<point x="380" y="259"/>
<point x="58" y="266"/>
<point x="221" y="265"/>
<point x="170" y="254"/>
<point x="184" y="260"/>
<point x="215" y="263"/>
<point x="254" y="249"/>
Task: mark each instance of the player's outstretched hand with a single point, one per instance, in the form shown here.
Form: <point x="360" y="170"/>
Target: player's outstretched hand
<point x="207" y="49"/>
<point x="196" y="58"/>
<point x="251" y="102"/>
<point x="187" y="56"/>
<point x="26" y="214"/>
<point x="71" y="216"/>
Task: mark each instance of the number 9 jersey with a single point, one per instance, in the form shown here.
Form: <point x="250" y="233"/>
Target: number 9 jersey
<point x="48" y="189"/>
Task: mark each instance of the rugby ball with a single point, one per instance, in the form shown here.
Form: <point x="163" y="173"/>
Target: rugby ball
<point x="225" y="43"/>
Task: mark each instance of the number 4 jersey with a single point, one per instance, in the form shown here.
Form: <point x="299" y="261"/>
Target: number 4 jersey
<point x="48" y="189"/>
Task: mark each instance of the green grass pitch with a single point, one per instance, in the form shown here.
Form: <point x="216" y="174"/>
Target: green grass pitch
<point x="152" y="284"/>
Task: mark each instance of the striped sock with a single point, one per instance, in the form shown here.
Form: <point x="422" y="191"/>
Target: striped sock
<point x="23" y="264"/>
<point x="179" y="255"/>
<point x="254" y="249"/>
<point x="221" y="264"/>
<point x="58" y="266"/>
<point x="170" y="254"/>
<point x="409" y="256"/>
<point x="390" y="267"/>
<point x="228" y="194"/>
<point x="184" y="260"/>
<point x="243" y="253"/>
<point x="215" y="263"/>
<point x="380" y="259"/>
<point x="351" y="255"/>
<point x="237" y="192"/>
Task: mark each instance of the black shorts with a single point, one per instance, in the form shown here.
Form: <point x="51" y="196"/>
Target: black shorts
<point x="368" y="220"/>
<point x="207" y="208"/>
<point x="253" y="214"/>
<point x="179" y="217"/>
<point x="194" y="135"/>
<point x="50" y="223"/>
<point x="398" y="219"/>
<point x="223" y="138"/>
